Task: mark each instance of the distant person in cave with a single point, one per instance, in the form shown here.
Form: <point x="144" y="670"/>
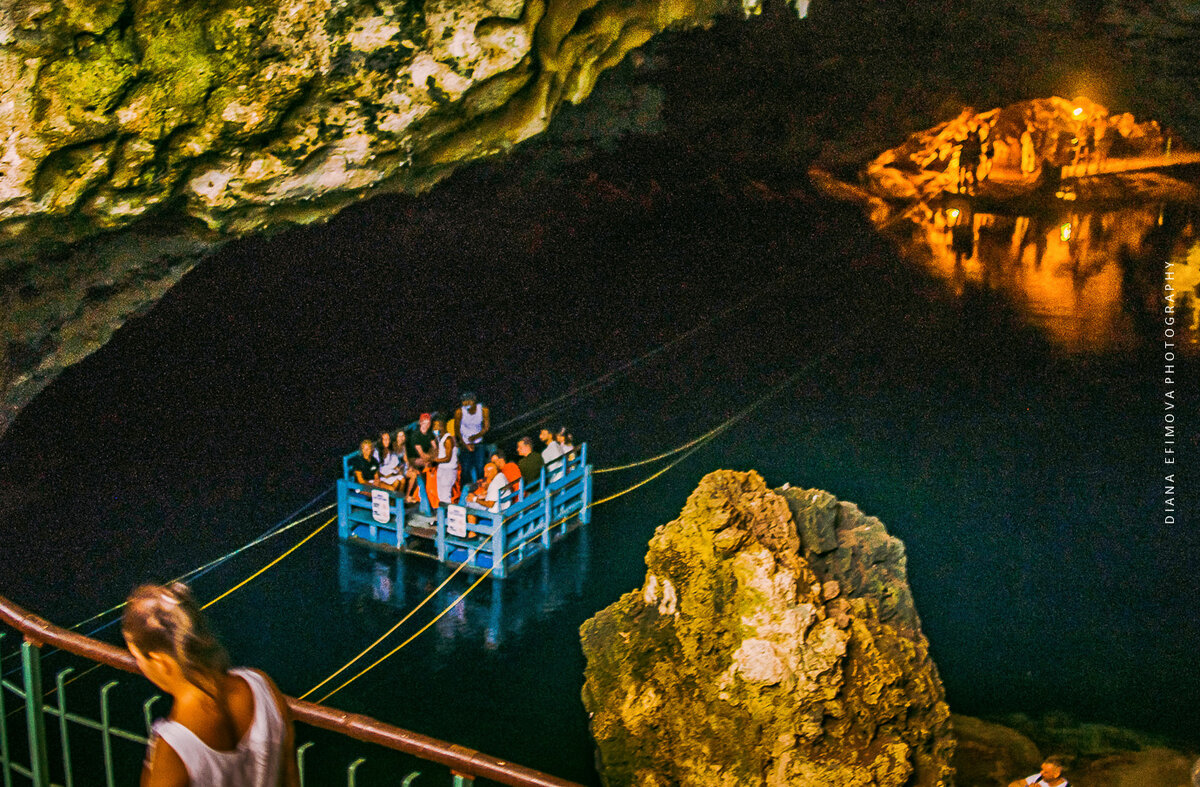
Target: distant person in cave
<point x="970" y="150"/>
<point x="364" y="468"/>
<point x="986" y="149"/>
<point x="1051" y="775"/>
<point x="1028" y="151"/>
<point x="471" y="422"/>
<point x="531" y="462"/>
<point x="1100" y="143"/>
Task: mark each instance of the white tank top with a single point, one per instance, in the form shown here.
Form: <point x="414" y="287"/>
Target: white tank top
<point x="472" y="424"/>
<point x="256" y="760"/>
<point x="452" y="461"/>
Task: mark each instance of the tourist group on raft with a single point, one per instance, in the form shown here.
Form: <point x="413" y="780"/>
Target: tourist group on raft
<point x="456" y="464"/>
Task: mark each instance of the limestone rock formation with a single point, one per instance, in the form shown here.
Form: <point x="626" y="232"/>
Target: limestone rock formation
<point x="774" y="642"/>
<point x="181" y="123"/>
<point x="1027" y="142"/>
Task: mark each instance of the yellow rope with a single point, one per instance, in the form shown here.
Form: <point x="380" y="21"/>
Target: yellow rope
<point x="664" y="455"/>
<point x="211" y="563"/>
<point x="262" y="570"/>
<point x="388" y="633"/>
<point x="475" y="584"/>
<point x="241" y="584"/>
<point x="645" y="481"/>
<point x="693" y="445"/>
<point x="423" y="629"/>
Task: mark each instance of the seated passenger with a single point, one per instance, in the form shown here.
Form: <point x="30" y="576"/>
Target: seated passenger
<point x="553" y="451"/>
<point x="409" y="472"/>
<point x="531" y="462"/>
<point x="391" y="464"/>
<point x="419" y="445"/>
<point x="420" y="451"/>
<point x="552" y="455"/>
<point x="487" y="491"/>
<point x="364" y="469"/>
<point x="510" y="469"/>
<point x="565" y="441"/>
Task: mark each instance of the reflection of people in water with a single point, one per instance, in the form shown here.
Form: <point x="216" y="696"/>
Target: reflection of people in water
<point x="962" y="241"/>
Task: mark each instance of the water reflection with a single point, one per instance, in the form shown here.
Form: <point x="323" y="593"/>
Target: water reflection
<point x="494" y="612"/>
<point x="1092" y="280"/>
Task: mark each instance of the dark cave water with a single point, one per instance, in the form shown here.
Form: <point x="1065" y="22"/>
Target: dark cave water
<point x="1025" y="474"/>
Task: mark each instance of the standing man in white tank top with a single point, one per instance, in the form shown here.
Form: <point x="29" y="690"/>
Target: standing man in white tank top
<point x="446" y="457"/>
<point x="471" y="422"/>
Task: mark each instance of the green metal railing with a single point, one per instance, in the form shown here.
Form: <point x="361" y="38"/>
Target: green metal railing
<point x="29" y="722"/>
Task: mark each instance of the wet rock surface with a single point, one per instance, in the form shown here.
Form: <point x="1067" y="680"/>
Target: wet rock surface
<point x="773" y="642"/>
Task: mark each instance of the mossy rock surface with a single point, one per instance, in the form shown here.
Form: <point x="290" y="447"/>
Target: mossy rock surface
<point x="742" y="660"/>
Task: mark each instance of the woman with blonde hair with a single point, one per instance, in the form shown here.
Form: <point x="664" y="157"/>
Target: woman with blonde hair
<point x="227" y="727"/>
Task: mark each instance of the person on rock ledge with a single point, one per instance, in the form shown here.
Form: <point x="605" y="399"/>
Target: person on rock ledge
<point x="1049" y="776"/>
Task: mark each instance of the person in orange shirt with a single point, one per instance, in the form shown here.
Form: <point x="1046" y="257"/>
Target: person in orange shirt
<point x="510" y="469"/>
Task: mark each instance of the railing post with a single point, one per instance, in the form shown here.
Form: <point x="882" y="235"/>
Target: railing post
<point x="351" y="772"/>
<point x="148" y="714"/>
<point x="4" y="729"/>
<point x="440" y="540"/>
<point x="401" y="516"/>
<point x="105" y="735"/>
<point x="35" y="716"/>
<point x="343" y="505"/>
<point x="60" y="685"/>
<point x="585" y="510"/>
<point x="499" y="544"/>
<point x="301" y="750"/>
<point x="548" y="510"/>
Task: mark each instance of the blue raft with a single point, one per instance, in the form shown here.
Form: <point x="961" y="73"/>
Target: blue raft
<point x="531" y="518"/>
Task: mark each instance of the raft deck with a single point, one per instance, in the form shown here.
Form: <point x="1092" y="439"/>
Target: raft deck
<point x="531" y="518"/>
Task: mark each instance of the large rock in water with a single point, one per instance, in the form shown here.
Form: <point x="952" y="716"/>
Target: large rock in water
<point x="774" y="642"/>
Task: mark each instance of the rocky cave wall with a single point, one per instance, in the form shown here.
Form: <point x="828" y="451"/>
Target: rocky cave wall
<point x="774" y="641"/>
<point x="137" y="134"/>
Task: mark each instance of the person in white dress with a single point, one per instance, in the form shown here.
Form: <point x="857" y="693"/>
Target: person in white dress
<point x="227" y="727"/>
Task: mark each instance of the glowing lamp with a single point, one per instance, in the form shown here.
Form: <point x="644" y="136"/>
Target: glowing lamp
<point x="1064" y="232"/>
<point x="953" y="214"/>
<point x="1077" y="111"/>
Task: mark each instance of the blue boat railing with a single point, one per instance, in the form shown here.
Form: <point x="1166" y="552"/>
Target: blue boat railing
<point x="45" y="743"/>
<point x="528" y="519"/>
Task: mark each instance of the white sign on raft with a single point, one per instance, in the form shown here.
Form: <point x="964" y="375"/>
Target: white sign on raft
<point x="456" y="521"/>
<point x="380" y="506"/>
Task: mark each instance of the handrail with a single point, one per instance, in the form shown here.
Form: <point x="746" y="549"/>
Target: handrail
<point x="39" y="631"/>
